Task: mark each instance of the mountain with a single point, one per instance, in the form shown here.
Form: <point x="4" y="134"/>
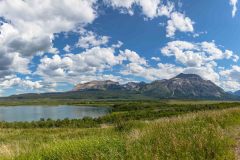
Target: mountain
<point x="98" y="85"/>
<point x="108" y="85"/>
<point x="134" y="86"/>
<point x="236" y="93"/>
<point x="183" y="86"/>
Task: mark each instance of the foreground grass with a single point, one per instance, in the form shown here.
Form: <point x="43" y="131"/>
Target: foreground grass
<point x="203" y="135"/>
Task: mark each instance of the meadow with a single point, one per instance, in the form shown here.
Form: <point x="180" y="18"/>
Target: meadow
<point x="134" y="130"/>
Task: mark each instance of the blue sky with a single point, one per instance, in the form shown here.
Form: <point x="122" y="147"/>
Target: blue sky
<point x="51" y="45"/>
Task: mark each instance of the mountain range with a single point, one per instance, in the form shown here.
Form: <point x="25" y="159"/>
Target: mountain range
<point x="183" y="86"/>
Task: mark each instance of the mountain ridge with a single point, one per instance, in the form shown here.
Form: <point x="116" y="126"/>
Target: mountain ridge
<point x="182" y="86"/>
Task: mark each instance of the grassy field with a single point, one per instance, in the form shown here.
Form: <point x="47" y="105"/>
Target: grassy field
<point x="203" y="135"/>
<point x="185" y="131"/>
<point x="49" y="102"/>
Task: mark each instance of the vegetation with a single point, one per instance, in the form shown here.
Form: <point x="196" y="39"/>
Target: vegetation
<point x="124" y="111"/>
<point x="133" y="130"/>
<point x="199" y="135"/>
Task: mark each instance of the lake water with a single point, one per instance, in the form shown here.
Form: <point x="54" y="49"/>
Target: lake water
<point x="35" y="113"/>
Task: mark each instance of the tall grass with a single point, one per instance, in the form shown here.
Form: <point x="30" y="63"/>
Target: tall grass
<point x="194" y="136"/>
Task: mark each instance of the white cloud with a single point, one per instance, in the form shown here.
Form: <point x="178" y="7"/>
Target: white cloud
<point x="71" y="66"/>
<point x="90" y="39"/>
<point x="196" y="54"/>
<point x="179" y="22"/>
<point x="88" y="65"/>
<point x="230" y="85"/>
<point x="155" y="59"/>
<point x="29" y="26"/>
<point x="15" y="81"/>
<point x="149" y="8"/>
<point x="67" y="48"/>
<point x="137" y="66"/>
<point x="118" y="45"/>
<point x="162" y="71"/>
<point x="25" y="85"/>
<point x="166" y="10"/>
<point x="233" y="3"/>
<point x="231" y="78"/>
<point x="166" y="71"/>
<point x="207" y="72"/>
<point x="20" y="64"/>
<point x="132" y="57"/>
<point x="232" y="74"/>
<point x="52" y="16"/>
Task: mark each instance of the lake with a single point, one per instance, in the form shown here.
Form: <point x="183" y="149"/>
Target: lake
<point x="35" y="113"/>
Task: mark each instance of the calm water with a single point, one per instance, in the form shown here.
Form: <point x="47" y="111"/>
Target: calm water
<point x="35" y="113"/>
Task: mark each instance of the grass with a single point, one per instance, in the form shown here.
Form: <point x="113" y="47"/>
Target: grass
<point x="77" y="102"/>
<point x="204" y="135"/>
<point x="196" y="101"/>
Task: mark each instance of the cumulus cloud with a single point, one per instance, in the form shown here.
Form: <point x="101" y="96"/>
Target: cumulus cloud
<point x="207" y="72"/>
<point x="166" y="71"/>
<point x="233" y="3"/>
<point x="25" y="85"/>
<point x="132" y="57"/>
<point x="149" y="8"/>
<point x="67" y="48"/>
<point x="70" y="66"/>
<point x="196" y="54"/>
<point x="90" y="39"/>
<point x="232" y="74"/>
<point x="155" y="59"/>
<point x="29" y="26"/>
<point x="166" y="10"/>
<point x="179" y="22"/>
<point x="11" y="81"/>
<point x="230" y="85"/>
<point x="231" y="78"/>
<point x="162" y="71"/>
<point x="58" y="16"/>
<point x="91" y="64"/>
<point x="138" y="66"/>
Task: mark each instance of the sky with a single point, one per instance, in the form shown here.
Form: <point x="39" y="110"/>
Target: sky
<point x="52" y="45"/>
